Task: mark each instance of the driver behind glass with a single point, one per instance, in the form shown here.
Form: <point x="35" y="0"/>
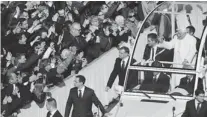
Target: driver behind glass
<point x="158" y="82"/>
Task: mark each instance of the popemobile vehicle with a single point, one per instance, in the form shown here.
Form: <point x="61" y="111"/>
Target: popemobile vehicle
<point x="174" y="60"/>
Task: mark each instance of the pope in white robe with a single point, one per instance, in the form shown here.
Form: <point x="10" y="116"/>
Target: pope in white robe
<point x="184" y="52"/>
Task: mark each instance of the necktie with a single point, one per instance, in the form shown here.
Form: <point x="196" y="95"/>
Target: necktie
<point x="49" y="114"/>
<point x="80" y="94"/>
<point x="123" y="65"/>
<point x="153" y="53"/>
<point x="198" y="107"/>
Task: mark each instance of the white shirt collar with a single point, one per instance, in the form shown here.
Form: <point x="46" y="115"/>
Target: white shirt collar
<point x="8" y="63"/>
<point x="53" y="112"/>
<point x="155" y="47"/>
<point x="157" y="76"/>
<point x="82" y="90"/>
<point x="196" y="103"/>
<point x="191" y="78"/>
<point x="125" y="61"/>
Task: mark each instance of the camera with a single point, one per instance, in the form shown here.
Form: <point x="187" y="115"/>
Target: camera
<point x="35" y="72"/>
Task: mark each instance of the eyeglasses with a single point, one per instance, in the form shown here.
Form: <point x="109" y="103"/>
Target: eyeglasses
<point x="79" y="30"/>
<point x="130" y="16"/>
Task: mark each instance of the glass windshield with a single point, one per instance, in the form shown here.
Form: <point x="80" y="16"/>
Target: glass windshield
<point x="157" y="82"/>
<point x="166" y="51"/>
<point x="171" y="35"/>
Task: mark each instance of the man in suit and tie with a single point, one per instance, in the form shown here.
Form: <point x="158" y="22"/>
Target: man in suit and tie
<point x="152" y="52"/>
<point x="82" y="98"/>
<point x="20" y="61"/>
<point x="120" y="67"/>
<point x="12" y="98"/>
<point x="158" y="82"/>
<point x="188" y="83"/>
<point x="196" y="107"/>
<point x="191" y="31"/>
<point x="51" y="106"/>
<point x="73" y="38"/>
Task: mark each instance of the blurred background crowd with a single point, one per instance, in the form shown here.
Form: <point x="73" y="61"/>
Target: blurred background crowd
<point x="45" y="42"/>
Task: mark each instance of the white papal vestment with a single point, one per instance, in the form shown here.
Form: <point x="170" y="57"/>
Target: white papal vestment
<point x="183" y="49"/>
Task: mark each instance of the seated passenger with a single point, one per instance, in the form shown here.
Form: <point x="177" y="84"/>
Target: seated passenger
<point x="158" y="82"/>
<point x="152" y="52"/>
<point x="188" y="83"/>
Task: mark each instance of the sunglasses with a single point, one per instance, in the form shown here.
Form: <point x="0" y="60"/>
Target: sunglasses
<point x="131" y="16"/>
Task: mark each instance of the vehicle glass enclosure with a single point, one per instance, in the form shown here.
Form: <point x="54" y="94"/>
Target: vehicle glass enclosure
<point x="167" y="51"/>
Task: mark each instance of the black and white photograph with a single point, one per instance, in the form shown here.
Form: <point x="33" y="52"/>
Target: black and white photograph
<point x="103" y="58"/>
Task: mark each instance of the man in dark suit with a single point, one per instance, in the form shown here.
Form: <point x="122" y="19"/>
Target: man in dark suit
<point x="196" y="107"/>
<point x="153" y="52"/>
<point x="19" y="61"/>
<point x="73" y="38"/>
<point x="51" y="106"/>
<point x="188" y="83"/>
<point x="120" y="67"/>
<point x="158" y="82"/>
<point x="23" y="64"/>
<point x="191" y="30"/>
<point x="82" y="98"/>
<point x="12" y="98"/>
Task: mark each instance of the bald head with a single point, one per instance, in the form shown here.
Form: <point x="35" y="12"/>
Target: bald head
<point x="65" y="53"/>
<point x="75" y="29"/>
<point x="119" y="20"/>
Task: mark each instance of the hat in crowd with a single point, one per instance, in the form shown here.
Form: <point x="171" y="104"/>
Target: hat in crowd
<point x="59" y="5"/>
<point x="22" y="7"/>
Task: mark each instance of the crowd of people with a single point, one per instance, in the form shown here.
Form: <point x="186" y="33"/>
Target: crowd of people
<point x="45" y="42"/>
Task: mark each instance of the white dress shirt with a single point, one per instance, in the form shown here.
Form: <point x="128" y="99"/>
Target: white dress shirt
<point x="16" y="90"/>
<point x="82" y="90"/>
<point x="8" y="63"/>
<point x="155" y="50"/>
<point x="196" y="104"/>
<point x="156" y="77"/>
<point x="52" y="113"/>
<point x="125" y="61"/>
